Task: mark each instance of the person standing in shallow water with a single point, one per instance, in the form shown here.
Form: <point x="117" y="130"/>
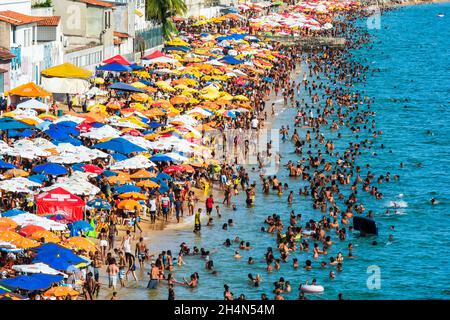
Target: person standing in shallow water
<point x="197" y="223"/>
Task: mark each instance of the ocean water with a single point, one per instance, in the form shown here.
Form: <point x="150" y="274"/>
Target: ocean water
<point x="411" y="50"/>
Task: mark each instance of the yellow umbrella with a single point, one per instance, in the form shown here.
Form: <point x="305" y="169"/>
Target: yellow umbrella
<point x="147" y="184"/>
<point x="47" y="235"/>
<point x="17" y="240"/>
<point x="47" y="116"/>
<point x="29" y="121"/>
<point x="138" y="85"/>
<point x="141" y="97"/>
<point x="133" y="195"/>
<point x="240" y="97"/>
<point x="61" y="291"/>
<point x="99" y="80"/>
<point x="97" y="108"/>
<point x="15" y="173"/>
<point x="7" y="222"/>
<point x="80" y="243"/>
<point x="129" y="205"/>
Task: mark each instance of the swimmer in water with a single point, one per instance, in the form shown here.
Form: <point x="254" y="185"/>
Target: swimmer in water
<point x="433" y="201"/>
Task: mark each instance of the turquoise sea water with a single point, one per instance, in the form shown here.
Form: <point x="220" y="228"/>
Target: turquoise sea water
<point x="411" y="50"/>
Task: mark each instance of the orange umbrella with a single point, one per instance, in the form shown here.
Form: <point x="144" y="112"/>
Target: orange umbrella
<point x="142" y="174"/>
<point x="29" y="89"/>
<point x="7" y="222"/>
<point x="17" y="240"/>
<point x="27" y="231"/>
<point x="129" y="205"/>
<point x="188" y="168"/>
<point x="47" y="235"/>
<point x="133" y="195"/>
<point x="114" y="105"/>
<point x="153" y="112"/>
<point x="61" y="291"/>
<point x="147" y="184"/>
<point x="80" y="243"/>
<point x="179" y="100"/>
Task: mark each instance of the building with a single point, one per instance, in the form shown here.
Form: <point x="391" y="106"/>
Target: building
<point x="35" y="41"/>
<point x="88" y="27"/>
<point x="5" y="66"/>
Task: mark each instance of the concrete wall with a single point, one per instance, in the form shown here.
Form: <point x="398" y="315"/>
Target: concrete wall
<point x="94" y="22"/>
<point x="6" y="76"/>
<point x="5" y="32"/>
<point x="87" y="58"/>
<point x="73" y="17"/>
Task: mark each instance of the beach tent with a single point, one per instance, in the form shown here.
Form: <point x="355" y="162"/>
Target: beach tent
<point x="29" y="89"/>
<point x="118" y="59"/>
<point x="33" y="104"/>
<point x="115" y="67"/>
<point x="66" y="78"/>
<point x="60" y="201"/>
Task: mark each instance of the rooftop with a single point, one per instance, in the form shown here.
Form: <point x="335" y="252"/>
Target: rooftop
<point x="5" y="54"/>
<point x="97" y="3"/>
<point x="18" y="19"/>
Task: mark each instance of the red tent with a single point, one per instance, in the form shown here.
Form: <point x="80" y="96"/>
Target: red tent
<point x="118" y="59"/>
<point x="155" y="55"/>
<point x="60" y="201"/>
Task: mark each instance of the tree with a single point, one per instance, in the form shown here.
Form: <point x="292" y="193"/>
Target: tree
<point x="161" y="11"/>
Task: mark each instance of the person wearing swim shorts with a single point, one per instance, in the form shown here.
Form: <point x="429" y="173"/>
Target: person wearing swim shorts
<point x="140" y="252"/>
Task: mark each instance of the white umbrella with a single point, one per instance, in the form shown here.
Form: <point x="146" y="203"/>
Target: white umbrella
<point x="26" y="219"/>
<point x="136" y="162"/>
<point x="103" y="132"/>
<point x="33" y="104"/>
<point x="37" y="268"/>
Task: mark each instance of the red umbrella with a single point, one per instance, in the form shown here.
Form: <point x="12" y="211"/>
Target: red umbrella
<point x="27" y="231"/>
<point x="92" y="169"/>
<point x="84" y="127"/>
<point x="119" y="59"/>
<point x="173" y="169"/>
<point x="134" y="132"/>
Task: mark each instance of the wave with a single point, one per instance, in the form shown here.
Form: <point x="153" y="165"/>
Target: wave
<point x="398" y="204"/>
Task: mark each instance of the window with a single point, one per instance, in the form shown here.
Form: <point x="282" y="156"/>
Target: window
<point x="27" y="37"/>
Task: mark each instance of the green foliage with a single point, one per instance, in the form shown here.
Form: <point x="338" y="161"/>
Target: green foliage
<point x="160" y="11"/>
<point x="44" y="4"/>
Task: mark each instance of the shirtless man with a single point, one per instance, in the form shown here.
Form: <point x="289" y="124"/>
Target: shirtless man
<point x="140" y="252"/>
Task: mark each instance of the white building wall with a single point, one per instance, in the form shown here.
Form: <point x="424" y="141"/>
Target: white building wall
<point x="22" y="6"/>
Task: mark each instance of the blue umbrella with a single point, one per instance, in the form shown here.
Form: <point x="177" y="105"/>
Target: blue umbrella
<point x="12" y="213"/>
<point x="97" y="124"/>
<point x="9" y="123"/>
<point x="37" y="281"/>
<point x="6" y="165"/>
<point x="267" y="79"/>
<point x="39" y="178"/>
<point x="44" y="125"/>
<point x="176" y="48"/>
<point x="68" y="139"/>
<point x="119" y="86"/>
<point x="80" y="225"/>
<point x="154" y="124"/>
<point x="231" y="60"/>
<point x="119" y="156"/>
<point x="56" y="256"/>
<point x="160" y="157"/>
<point x="115" y="67"/>
<point x="108" y="173"/>
<point x="78" y="166"/>
<point x="99" y="204"/>
<point x="119" y="145"/>
<point x="134" y="66"/>
<point x="56" y="217"/>
<point x="162" y="175"/>
<point x="127" y="188"/>
<point x="51" y="168"/>
<point x="25" y="133"/>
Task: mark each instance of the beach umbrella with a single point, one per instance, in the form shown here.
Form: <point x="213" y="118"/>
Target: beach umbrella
<point x="142" y="174"/>
<point x="56" y="256"/>
<point x="37" y="281"/>
<point x="173" y="169"/>
<point x="80" y="243"/>
<point x="8" y="124"/>
<point x="12" y="213"/>
<point x="120" y="145"/>
<point x="17" y="240"/>
<point x="99" y="204"/>
<point x="129" y="205"/>
<point x="119" y="157"/>
<point x="48" y="236"/>
<point x="119" y="86"/>
<point x="92" y="169"/>
<point x="15" y="173"/>
<point x="60" y="291"/>
<point x="127" y="188"/>
<point x="80" y="225"/>
<point x="50" y="169"/>
<point x="133" y="195"/>
<point x="160" y="157"/>
<point x="147" y="184"/>
<point x="28" y="230"/>
<point x="109" y="173"/>
<point x="119" y="59"/>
